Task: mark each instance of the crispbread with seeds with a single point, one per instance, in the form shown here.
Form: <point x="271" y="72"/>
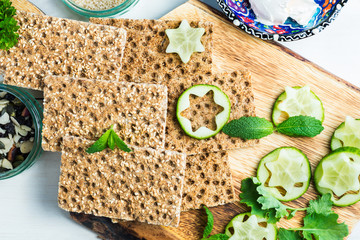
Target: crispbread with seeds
<point x="87" y="108"/>
<point x="237" y="85"/>
<point x="144" y="185"/>
<point x="208" y="181"/>
<point x="55" y="46"/>
<point x="145" y="57"/>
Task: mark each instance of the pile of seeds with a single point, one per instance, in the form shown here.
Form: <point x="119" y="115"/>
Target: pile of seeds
<point x="98" y="4"/>
<point x="16" y="132"/>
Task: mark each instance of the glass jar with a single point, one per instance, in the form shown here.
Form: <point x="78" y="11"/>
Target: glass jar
<point x="36" y="113"/>
<point x="115" y="11"/>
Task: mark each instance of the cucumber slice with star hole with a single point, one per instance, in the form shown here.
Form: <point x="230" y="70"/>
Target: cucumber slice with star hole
<point x="296" y="101"/>
<point x="347" y="134"/>
<point x="252" y="227"/>
<point x="219" y="98"/>
<point x="338" y="174"/>
<point x="285" y="173"/>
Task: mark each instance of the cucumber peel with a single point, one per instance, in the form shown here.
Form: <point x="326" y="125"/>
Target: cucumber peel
<point x="338" y="174"/>
<point x="347" y="134"/>
<point x="252" y="227"/>
<point x="296" y="101"/>
<point x="285" y="173"/>
<point x="221" y="119"/>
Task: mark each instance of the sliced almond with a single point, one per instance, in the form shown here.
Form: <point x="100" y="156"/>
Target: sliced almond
<point x="7" y="164"/>
<point x="4" y="119"/>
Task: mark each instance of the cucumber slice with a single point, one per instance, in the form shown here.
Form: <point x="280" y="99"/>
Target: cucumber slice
<point x="347" y="134"/>
<point x="221" y="119"/>
<point x="250" y="227"/>
<point x="297" y="101"/>
<point x="338" y="174"/>
<point x="285" y="173"/>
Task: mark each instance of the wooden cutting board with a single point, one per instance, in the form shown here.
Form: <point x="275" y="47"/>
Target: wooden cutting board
<point x="273" y="67"/>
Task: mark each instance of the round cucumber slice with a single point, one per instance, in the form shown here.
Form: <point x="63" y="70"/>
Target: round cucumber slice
<point x="347" y="134"/>
<point x="285" y="173"/>
<point x="297" y="101"/>
<point x="221" y="119"/>
<point x="250" y="227"/>
<point x="338" y="174"/>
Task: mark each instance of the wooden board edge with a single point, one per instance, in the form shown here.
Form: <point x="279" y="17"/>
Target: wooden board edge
<point x="218" y="14"/>
<point x="25" y="5"/>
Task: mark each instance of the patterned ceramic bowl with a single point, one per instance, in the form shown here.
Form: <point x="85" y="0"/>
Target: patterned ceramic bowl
<point x="241" y="14"/>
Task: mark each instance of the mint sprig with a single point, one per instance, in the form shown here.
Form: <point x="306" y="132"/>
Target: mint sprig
<point x="8" y="25"/>
<point x="255" y="128"/>
<point x="108" y="139"/>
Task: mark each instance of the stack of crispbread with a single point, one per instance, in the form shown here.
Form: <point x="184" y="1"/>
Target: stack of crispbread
<point x="116" y="72"/>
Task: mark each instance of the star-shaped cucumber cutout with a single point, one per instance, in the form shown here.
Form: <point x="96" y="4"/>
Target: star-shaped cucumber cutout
<point x="301" y="101"/>
<point x="185" y="40"/>
<point x="286" y="171"/>
<point x="349" y="135"/>
<point x="249" y="229"/>
<point x="341" y="174"/>
<point x="202" y="111"/>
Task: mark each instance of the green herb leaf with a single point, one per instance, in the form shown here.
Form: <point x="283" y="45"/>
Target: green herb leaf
<point x="108" y="139"/>
<point x="8" y="25"/>
<point x="301" y="126"/>
<point x="323" y="227"/>
<point x="210" y="223"/>
<point x="120" y="144"/>
<point x="100" y="144"/>
<point x="111" y="140"/>
<point x="284" y="234"/>
<point x="249" y="128"/>
<point x="262" y="204"/>
<point x="219" y="236"/>
<point x="321" y="205"/>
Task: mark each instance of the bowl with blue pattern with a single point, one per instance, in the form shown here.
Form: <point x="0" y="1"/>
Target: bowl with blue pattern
<point x="241" y="14"/>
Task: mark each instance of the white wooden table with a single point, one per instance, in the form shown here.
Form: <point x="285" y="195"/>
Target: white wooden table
<point x="28" y="202"/>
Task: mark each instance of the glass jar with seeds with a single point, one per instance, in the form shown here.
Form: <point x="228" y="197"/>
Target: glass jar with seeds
<point x="20" y="130"/>
<point x="100" y="8"/>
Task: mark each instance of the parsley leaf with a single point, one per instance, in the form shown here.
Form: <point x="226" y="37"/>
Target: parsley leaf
<point x="262" y="204"/>
<point x="249" y="128"/>
<point x="209" y="227"/>
<point x="323" y="227"/>
<point x="209" y="224"/>
<point x="321" y="205"/>
<point x="8" y="25"/>
<point x="108" y="139"/>
<point x="320" y="223"/>
<point x="284" y="234"/>
<point x="301" y="126"/>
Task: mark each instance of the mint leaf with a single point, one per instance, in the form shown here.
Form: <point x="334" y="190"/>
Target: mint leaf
<point x="323" y="227"/>
<point x="321" y="205"/>
<point x="111" y="140"/>
<point x="210" y="223"/>
<point x="100" y="144"/>
<point x="284" y="234"/>
<point x="301" y="126"/>
<point x="249" y="128"/>
<point x="120" y="144"/>
<point x="8" y="25"/>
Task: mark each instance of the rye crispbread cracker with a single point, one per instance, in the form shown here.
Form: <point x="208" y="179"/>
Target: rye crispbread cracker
<point x="208" y="181"/>
<point x="144" y="185"/>
<point x="87" y="108"/>
<point x="237" y="86"/>
<point x="145" y="59"/>
<point x="55" y="46"/>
